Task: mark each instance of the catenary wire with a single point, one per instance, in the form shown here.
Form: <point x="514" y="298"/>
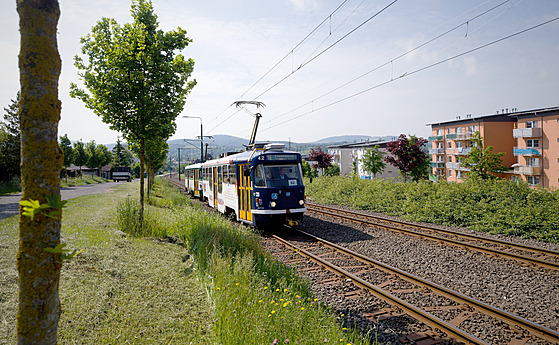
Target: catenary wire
<point x="415" y="72"/>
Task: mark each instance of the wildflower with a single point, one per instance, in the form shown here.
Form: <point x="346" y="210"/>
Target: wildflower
<point x="265" y="287"/>
<point x="343" y="329"/>
<point x="275" y="342"/>
<point x="285" y="304"/>
<point x="260" y="301"/>
<point x="281" y="299"/>
<point x="272" y="302"/>
<point x="325" y="340"/>
<point x="218" y="288"/>
<point x="287" y="341"/>
<point x="269" y="315"/>
<point x="273" y="311"/>
<point x="277" y="289"/>
<point x="302" y="308"/>
<point x="237" y="284"/>
<point x="284" y="290"/>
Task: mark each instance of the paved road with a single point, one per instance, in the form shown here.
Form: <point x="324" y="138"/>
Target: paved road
<point x="9" y="204"/>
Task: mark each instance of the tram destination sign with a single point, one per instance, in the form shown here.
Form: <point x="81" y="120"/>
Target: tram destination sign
<point x="282" y="157"/>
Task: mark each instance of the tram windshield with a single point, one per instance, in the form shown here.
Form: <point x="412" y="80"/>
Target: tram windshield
<point x="278" y="175"/>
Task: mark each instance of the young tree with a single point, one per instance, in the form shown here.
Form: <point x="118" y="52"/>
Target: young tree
<point x="481" y="161"/>
<point x="408" y="156"/>
<point x="136" y="82"/>
<point x="66" y="146"/>
<point x="41" y="162"/>
<point x="373" y="160"/>
<point x="332" y="170"/>
<point x="122" y="157"/>
<point x="10" y="143"/>
<point x="323" y="159"/>
<point x="80" y="155"/>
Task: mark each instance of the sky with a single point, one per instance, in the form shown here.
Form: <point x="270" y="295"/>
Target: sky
<point x="325" y="68"/>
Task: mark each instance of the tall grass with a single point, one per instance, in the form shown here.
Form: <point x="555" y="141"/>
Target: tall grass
<point x="496" y="206"/>
<point x="256" y="299"/>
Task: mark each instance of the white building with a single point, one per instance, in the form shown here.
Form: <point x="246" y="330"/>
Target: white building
<point x="348" y="155"/>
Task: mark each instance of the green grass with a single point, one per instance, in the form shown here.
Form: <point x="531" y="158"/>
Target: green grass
<point x="119" y="289"/>
<point x="197" y="279"/>
<point x="80" y="181"/>
<point x="10" y="187"/>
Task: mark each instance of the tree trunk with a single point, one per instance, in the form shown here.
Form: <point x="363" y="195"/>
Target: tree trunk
<point x="149" y="178"/>
<point x="41" y="162"/>
<point x="142" y="158"/>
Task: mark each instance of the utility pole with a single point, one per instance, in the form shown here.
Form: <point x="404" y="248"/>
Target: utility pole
<point x="201" y="135"/>
<point x="179" y="149"/>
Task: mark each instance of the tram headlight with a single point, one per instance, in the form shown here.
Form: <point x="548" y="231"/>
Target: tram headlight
<point x="273" y="204"/>
<point x="301" y="202"/>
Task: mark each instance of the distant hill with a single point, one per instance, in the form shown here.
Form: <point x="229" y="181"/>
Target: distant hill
<point x="190" y="149"/>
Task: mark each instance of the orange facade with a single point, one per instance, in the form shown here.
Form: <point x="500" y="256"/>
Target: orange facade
<point x="537" y="148"/>
<point x="530" y="140"/>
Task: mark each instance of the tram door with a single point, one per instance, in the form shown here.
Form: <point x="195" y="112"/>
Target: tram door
<point x="215" y="185"/>
<point x="196" y="182"/>
<point x="243" y="191"/>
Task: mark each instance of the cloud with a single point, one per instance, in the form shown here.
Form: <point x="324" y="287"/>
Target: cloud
<point x="302" y="5"/>
<point x="471" y="66"/>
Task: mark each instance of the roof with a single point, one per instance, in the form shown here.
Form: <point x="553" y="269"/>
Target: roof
<point x="503" y="117"/>
<point x="361" y="144"/>
<point x="537" y="112"/>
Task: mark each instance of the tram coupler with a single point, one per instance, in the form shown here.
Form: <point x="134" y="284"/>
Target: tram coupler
<point x="291" y="222"/>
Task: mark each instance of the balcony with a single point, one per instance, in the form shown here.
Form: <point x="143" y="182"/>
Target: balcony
<point x="527" y="132"/>
<point x="530" y="151"/>
<point x="460" y="151"/>
<point x="527" y="170"/>
<point x="437" y="151"/>
<point x="459" y="136"/>
<point x="436" y="138"/>
<point x="455" y="166"/>
<point x="437" y="164"/>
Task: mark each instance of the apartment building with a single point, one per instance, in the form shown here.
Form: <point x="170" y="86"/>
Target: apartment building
<point x="537" y="147"/>
<point x="346" y="155"/>
<point x="530" y="140"/>
<point x="451" y="142"/>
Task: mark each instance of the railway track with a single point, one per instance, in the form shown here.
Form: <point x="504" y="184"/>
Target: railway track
<point x="519" y="252"/>
<point x="456" y="312"/>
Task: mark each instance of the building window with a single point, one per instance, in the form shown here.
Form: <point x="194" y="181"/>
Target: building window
<point x="532" y="161"/>
<point x="533" y="143"/>
<point x="531" y="124"/>
<point x="439" y="132"/>
<point x="472" y="129"/>
<point x="449" y="131"/>
<point x="440" y="158"/>
<point x="458" y="130"/>
<point x="450" y="173"/>
<point x="458" y="174"/>
<point x="450" y="159"/>
<point x="440" y="144"/>
<point x="459" y="144"/>
<point x="533" y="180"/>
<point x="449" y="145"/>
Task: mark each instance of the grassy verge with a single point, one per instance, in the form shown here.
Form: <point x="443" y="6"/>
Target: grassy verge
<point x="255" y="299"/>
<point x="496" y="206"/>
<point x="80" y="181"/>
<point x="118" y="290"/>
<point x="197" y="279"/>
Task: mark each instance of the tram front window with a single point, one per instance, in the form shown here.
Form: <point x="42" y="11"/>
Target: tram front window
<point x="278" y="175"/>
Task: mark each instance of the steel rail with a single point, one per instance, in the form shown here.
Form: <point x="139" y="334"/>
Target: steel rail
<point x="417" y="313"/>
<point x="512" y="319"/>
<point x="446" y="231"/>
<point x="500" y="252"/>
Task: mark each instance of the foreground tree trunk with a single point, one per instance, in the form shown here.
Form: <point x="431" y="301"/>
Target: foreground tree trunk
<point x="41" y="163"/>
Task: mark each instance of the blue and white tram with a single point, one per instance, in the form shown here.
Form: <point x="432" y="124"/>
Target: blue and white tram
<point x="261" y="187"/>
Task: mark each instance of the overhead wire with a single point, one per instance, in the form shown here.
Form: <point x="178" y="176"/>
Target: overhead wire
<point x="283" y="58"/>
<point x="416" y="71"/>
<point x="391" y="61"/>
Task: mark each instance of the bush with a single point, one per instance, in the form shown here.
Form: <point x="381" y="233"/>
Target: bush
<point x="496" y="206"/>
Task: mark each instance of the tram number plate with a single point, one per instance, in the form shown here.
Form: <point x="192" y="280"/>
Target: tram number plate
<point x="292" y="182"/>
